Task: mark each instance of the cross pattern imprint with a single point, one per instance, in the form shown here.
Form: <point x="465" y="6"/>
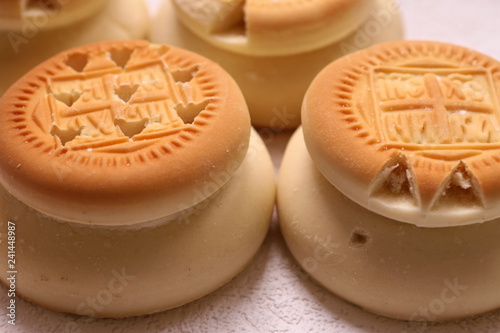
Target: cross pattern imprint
<point x="116" y="103"/>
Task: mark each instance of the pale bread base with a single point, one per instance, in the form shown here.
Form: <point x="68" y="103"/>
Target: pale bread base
<point x="119" y="272"/>
<point x="274" y="86"/>
<point x="22" y="50"/>
<point x="388" y="267"/>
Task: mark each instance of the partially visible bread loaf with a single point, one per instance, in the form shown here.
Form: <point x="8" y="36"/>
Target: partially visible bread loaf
<point x="20" y="51"/>
<point x="272" y="28"/>
<point x="25" y="15"/>
<point x="274" y="85"/>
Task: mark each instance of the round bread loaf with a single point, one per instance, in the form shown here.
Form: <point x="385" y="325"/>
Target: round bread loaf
<point x="45" y="14"/>
<point x="274" y="85"/>
<point x="132" y="178"/>
<point x="20" y="51"/>
<point x="387" y="267"/>
<point x="272" y="28"/>
<point x="410" y="130"/>
<point x="120" y="133"/>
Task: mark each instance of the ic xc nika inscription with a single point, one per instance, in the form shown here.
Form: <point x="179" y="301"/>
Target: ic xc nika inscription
<point x="419" y="107"/>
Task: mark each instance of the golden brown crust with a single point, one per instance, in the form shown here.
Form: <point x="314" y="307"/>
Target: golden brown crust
<point x="410" y="130"/>
<point x="121" y="132"/>
<point x="271" y="28"/>
<point x="10" y="9"/>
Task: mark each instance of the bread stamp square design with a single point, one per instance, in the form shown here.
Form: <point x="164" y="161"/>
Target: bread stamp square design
<point x="111" y="105"/>
<point x="436" y="108"/>
<point x="114" y="106"/>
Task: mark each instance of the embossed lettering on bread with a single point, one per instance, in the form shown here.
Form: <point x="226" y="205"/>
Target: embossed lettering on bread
<point x="410" y="130"/>
<point x="120" y="132"/>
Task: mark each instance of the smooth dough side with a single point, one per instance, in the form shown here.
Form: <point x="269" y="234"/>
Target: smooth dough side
<point x="388" y="267"/>
<point x="120" y="272"/>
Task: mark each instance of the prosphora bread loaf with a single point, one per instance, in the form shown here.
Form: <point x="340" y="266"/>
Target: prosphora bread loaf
<point x="388" y="193"/>
<point x="274" y="84"/>
<point x="133" y="177"/>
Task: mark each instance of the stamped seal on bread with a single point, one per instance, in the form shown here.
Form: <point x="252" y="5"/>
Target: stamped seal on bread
<point x="410" y="130"/>
<point x="98" y="132"/>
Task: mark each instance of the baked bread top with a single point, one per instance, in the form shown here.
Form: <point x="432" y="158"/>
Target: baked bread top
<point x="119" y="133"/>
<point x="271" y="28"/>
<point x="410" y="130"/>
<point x="30" y="16"/>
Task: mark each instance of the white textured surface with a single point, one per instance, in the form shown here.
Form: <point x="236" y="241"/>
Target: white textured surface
<point x="272" y="294"/>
